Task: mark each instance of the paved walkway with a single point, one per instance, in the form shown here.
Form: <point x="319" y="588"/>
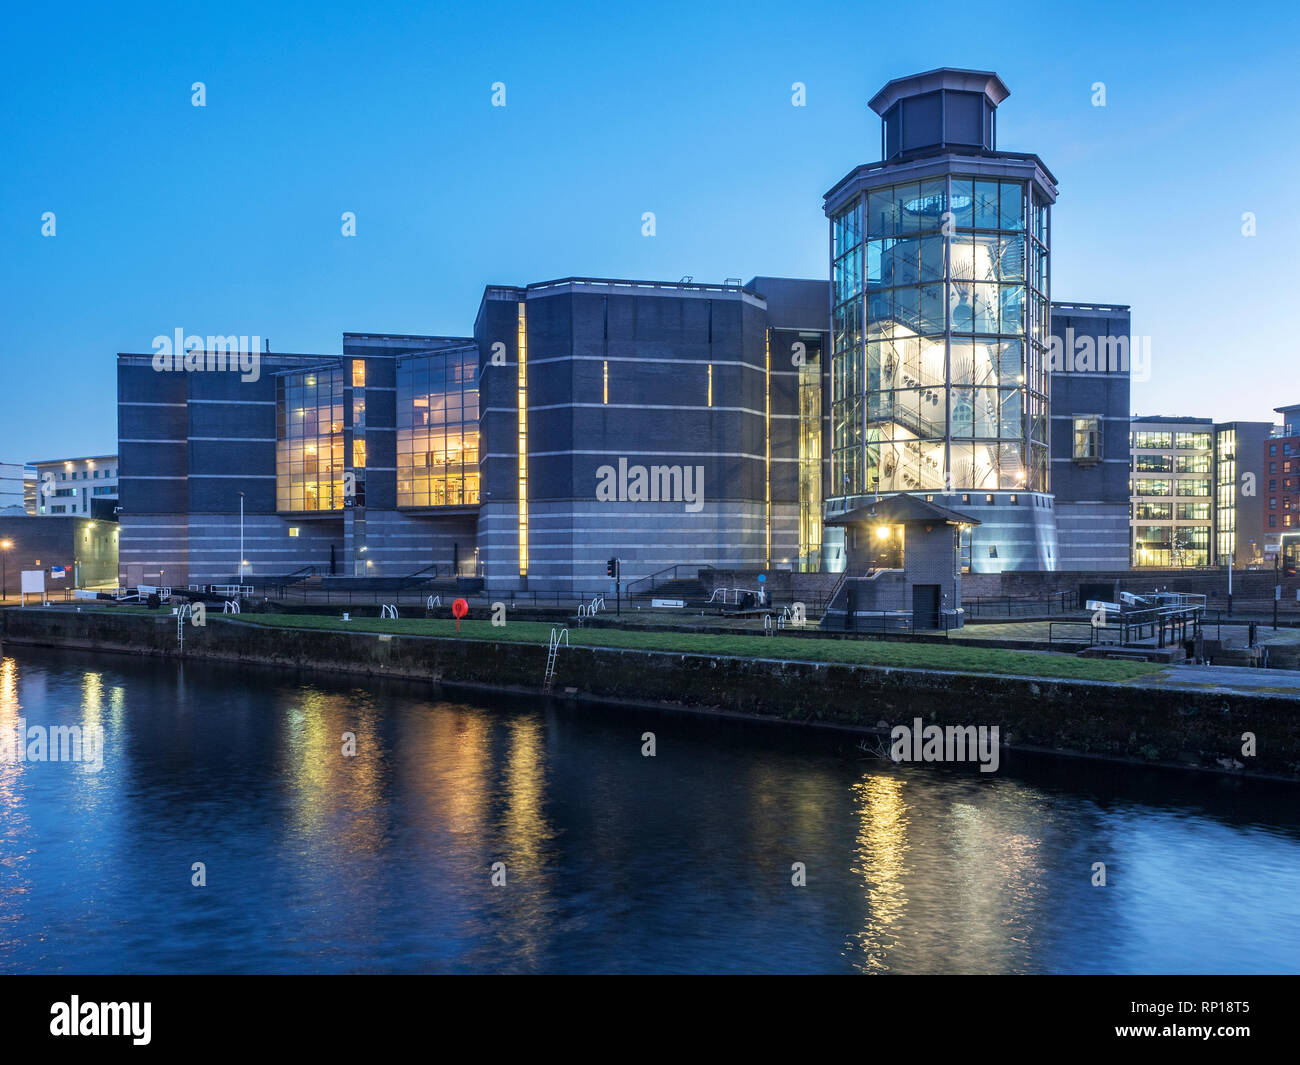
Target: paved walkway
<point x="1236" y="680"/>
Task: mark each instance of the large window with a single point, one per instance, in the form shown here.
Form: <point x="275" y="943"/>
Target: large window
<point x="437" y="429"/>
<point x="1153" y="464"/>
<point x="309" y="441"/>
<point x="939" y="327"/>
<point x="1147" y="440"/>
<point x="1193" y="463"/>
<point x="1087" y="439"/>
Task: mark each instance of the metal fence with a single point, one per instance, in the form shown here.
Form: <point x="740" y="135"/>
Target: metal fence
<point x="1020" y="606"/>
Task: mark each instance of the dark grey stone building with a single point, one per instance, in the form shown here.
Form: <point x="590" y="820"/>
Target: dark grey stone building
<point x="659" y="423"/>
<point x="669" y="424"/>
<point x="1092" y="359"/>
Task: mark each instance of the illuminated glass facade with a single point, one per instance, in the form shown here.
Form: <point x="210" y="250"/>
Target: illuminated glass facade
<point x="1170" y="462"/>
<point x="938" y="374"/>
<point x="810" y="457"/>
<point x="437" y="429"/>
<point x="309" y="463"/>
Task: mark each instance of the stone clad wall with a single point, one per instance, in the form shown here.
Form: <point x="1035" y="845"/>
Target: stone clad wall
<point x="1101" y="720"/>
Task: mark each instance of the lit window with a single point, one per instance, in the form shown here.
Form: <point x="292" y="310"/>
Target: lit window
<point x="358" y="373"/>
<point x="293" y="530"/>
<point x="1087" y="439"/>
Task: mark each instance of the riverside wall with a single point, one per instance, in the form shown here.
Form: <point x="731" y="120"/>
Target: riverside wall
<point x="1195" y="729"/>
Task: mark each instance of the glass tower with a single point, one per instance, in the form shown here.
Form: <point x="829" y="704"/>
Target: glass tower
<point x="940" y="274"/>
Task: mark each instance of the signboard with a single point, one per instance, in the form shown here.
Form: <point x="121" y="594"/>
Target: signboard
<point x="58" y="572"/>
<point x="668" y="602"/>
<point x="33" y="584"/>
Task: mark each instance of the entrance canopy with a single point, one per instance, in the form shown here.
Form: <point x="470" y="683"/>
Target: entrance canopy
<point x="901" y="509"/>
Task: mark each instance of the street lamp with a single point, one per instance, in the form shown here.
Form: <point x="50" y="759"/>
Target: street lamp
<point x="241" y="538"/>
<point x="5" y="547"/>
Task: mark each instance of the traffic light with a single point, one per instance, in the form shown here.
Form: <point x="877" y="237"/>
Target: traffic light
<point x="611" y="567"/>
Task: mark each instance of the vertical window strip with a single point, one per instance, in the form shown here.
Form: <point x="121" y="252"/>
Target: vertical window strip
<point x="767" y="436"/>
<point x="522" y="387"/>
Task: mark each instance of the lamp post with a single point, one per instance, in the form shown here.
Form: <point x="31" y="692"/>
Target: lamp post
<point x="1277" y="582"/>
<point x="241" y="538"/>
<point x="1230" y="559"/>
<point x="5" y="546"/>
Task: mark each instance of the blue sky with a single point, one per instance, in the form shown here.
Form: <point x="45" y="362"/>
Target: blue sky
<point x="226" y="219"/>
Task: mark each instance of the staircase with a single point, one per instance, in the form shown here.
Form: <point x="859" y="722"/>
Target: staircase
<point x="676" y="588"/>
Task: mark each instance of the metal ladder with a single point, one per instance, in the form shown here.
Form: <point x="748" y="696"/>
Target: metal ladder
<point x="181" y="615"/>
<point x="552" y="653"/>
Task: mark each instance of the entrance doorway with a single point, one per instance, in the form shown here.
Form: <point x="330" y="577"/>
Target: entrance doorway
<point x="925" y="606"/>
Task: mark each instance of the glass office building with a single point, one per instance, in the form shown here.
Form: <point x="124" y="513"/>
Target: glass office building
<point x="940" y="318"/>
<point x="1171" y="485"/>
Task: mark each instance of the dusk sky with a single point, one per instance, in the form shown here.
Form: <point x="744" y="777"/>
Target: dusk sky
<point x="226" y="218"/>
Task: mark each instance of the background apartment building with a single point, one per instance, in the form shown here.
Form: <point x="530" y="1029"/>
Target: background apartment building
<point x="1281" y="460"/>
<point x="85" y="487"/>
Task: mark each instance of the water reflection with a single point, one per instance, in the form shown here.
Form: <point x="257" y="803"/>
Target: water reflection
<point x="881" y="849"/>
<point x="325" y="857"/>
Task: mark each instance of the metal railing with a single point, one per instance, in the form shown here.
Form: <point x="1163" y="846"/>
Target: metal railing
<point x="1011" y="606"/>
<point x="894" y="623"/>
<point x="646" y="585"/>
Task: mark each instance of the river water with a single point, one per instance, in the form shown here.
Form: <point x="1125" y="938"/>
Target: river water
<point x="382" y="861"/>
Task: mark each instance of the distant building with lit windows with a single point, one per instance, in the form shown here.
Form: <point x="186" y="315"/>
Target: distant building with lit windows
<point x="1239" y="486"/>
<point x="1196" y="492"/>
<point x="1172" y="491"/>
<point x="1280" y="495"/>
<point x="85" y="487"/>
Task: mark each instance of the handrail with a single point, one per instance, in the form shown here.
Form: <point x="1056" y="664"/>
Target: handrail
<point x="631" y="586"/>
<point x="436" y="566"/>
